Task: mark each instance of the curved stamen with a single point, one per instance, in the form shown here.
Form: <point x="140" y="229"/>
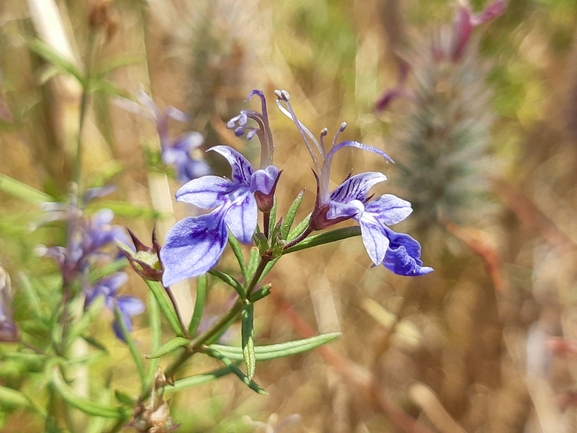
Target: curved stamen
<point x="308" y="137"/>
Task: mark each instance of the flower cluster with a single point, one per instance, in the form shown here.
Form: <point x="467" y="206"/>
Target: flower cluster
<point x="194" y="245"/>
<point x="91" y="239"/>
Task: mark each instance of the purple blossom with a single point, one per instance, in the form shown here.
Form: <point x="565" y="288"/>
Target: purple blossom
<point x="177" y="152"/>
<point x="195" y="244"/>
<point x="128" y="306"/>
<point x="9" y="332"/>
<point x="88" y="236"/>
<point x="397" y="252"/>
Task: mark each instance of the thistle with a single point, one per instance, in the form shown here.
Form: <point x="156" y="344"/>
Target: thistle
<point x="448" y="128"/>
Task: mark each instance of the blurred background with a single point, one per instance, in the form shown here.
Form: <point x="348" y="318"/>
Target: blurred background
<point x="485" y="145"/>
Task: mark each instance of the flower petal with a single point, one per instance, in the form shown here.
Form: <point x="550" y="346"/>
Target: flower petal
<point x="242" y="217"/>
<point x="389" y="209"/>
<point x="374" y="238"/>
<point x="264" y="180"/>
<point x="241" y="169"/>
<point x="357" y="187"/>
<point x="207" y="192"/>
<point x="130" y="305"/>
<point x="404" y="255"/>
<point x="193" y="246"/>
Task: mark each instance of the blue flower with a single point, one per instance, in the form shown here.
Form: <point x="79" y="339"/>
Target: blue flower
<point x="177" y="152"/>
<point x="398" y="252"/>
<point x="194" y="244"/>
<point x="128" y="306"/>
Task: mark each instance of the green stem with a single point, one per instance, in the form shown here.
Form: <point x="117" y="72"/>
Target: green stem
<point x="77" y="169"/>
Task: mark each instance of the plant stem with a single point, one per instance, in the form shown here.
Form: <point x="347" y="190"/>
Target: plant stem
<point x="86" y="89"/>
<point x="215" y="329"/>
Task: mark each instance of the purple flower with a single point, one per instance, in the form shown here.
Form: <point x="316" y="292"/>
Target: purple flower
<point x="397" y="252"/>
<point x="88" y="237"/>
<point x="178" y="152"/>
<point x="194" y="244"/>
<point x="128" y="306"/>
<point x="9" y="332"/>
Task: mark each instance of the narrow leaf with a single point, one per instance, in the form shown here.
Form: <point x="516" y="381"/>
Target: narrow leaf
<point x="273" y="351"/>
<point x="132" y="347"/>
<point x="247" y="323"/>
<point x="291" y="214"/>
<point x="201" y="292"/>
<point x="169" y="346"/>
<point x="300" y="228"/>
<point x="54" y="58"/>
<point x="124" y="209"/>
<point x="273" y="212"/>
<point x="231" y="281"/>
<point x="80" y="327"/>
<point x="165" y="306"/>
<point x="118" y="62"/>
<point x="12" y="399"/>
<point x="253" y="262"/>
<point x="237" y="250"/>
<point x="22" y="191"/>
<point x="83" y="404"/>
<point x="257" y="295"/>
<point x="199" y="379"/>
<point x="236" y="370"/>
<point x="325" y="238"/>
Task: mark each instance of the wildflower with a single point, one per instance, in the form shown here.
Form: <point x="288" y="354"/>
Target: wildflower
<point x="194" y="245"/>
<point x="398" y="252"/>
<point x="128" y="306"/>
<point x="88" y="237"/>
<point x="8" y="330"/>
<point x="178" y="152"/>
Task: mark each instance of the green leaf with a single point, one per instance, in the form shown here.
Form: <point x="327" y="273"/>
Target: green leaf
<point x="273" y="351"/>
<point x="237" y="250"/>
<point x="165" y="306"/>
<point x="257" y="295"/>
<point x="199" y="303"/>
<point x="108" y="269"/>
<point x="31" y="295"/>
<point x="231" y="281"/>
<point x="125" y="209"/>
<point x="247" y="332"/>
<point x="132" y="347"/>
<point x="299" y="229"/>
<point x="291" y="214"/>
<point x="106" y="87"/>
<point x="22" y="191"/>
<point x="273" y="212"/>
<point x="79" y="328"/>
<point x="253" y="262"/>
<point x="199" y="379"/>
<point x="235" y="369"/>
<point x="268" y="267"/>
<point x="11" y="399"/>
<point x="169" y="346"/>
<point x="62" y="64"/>
<point x="83" y="404"/>
<point x="325" y="238"/>
<point x="117" y="63"/>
